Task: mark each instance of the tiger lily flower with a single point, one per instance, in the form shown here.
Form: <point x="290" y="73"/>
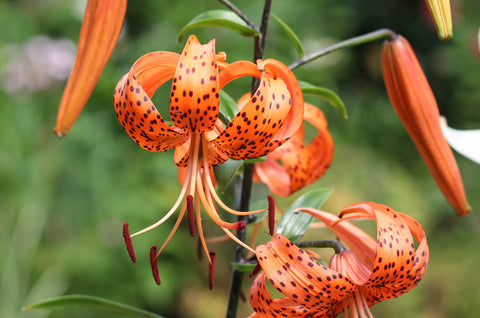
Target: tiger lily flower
<point x="295" y="165"/>
<point x="415" y="104"/>
<point x="270" y="117"/>
<point x="442" y="17"/>
<point x="100" y="30"/>
<point x="356" y="279"/>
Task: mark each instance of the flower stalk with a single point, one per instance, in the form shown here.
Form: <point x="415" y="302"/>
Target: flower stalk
<point x="358" y="40"/>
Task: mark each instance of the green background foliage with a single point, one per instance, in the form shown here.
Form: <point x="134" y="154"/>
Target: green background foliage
<point x="62" y="202"/>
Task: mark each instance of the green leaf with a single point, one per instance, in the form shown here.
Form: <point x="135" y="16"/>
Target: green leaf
<point x="92" y="302"/>
<point x="294" y="225"/>
<point x="228" y="107"/>
<point x="291" y="35"/>
<point x="225" y="172"/>
<point x="327" y="94"/>
<point x="219" y="18"/>
<point x="244" y="268"/>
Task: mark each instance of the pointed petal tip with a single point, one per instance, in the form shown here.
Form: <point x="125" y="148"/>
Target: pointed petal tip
<point x="465" y="209"/>
<point x="60" y="133"/>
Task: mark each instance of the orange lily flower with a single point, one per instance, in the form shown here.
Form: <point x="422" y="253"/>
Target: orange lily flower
<point x="271" y="116"/>
<point x="295" y="165"/>
<point x="100" y="30"/>
<point x="442" y="17"/>
<point x="372" y="271"/>
<point x="415" y="104"/>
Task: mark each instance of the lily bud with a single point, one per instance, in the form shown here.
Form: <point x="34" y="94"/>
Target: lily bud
<point x="415" y="104"/>
<point x="442" y="17"/>
<point x="101" y="28"/>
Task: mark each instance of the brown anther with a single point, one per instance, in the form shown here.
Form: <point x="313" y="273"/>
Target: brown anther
<point x="241" y="225"/>
<point x="211" y="270"/>
<point x="255" y="270"/>
<point x="242" y="296"/>
<point x="128" y="242"/>
<point x="271" y="214"/>
<point x="191" y="215"/>
<point x="154" y="264"/>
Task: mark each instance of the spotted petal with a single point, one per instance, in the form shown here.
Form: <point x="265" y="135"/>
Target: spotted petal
<point x="265" y="306"/>
<point x="134" y="106"/>
<point x="271" y="116"/>
<point x="254" y="126"/>
<point x="355" y="238"/>
<point x="302" y="279"/>
<point x="397" y="267"/>
<point x="195" y="97"/>
<point x="300" y="164"/>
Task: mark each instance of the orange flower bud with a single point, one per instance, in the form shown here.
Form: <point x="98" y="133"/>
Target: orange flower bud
<point x="101" y="28"/>
<point x="416" y="106"/>
<point x="442" y="17"/>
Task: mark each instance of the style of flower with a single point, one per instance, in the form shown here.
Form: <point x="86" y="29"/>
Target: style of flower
<point x="415" y="104"/>
<point x="442" y="17"/>
<point x="100" y="30"/>
<point x="295" y="165"/>
<point x="271" y="116"/>
<point x="372" y="271"/>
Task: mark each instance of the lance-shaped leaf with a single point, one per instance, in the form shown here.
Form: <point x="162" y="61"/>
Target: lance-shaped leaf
<point x="291" y="35"/>
<point x="100" y="30"/>
<point x="219" y="18"/>
<point x="294" y="225"/>
<point x="330" y="96"/>
<point x="92" y="302"/>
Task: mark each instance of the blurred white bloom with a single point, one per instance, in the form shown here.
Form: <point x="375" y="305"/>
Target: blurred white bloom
<point x="38" y="64"/>
<point x="465" y="142"/>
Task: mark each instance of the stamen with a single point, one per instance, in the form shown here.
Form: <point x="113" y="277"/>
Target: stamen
<point x="242" y="296"/>
<point x="191" y="215"/>
<point x="271" y="214"/>
<point x="154" y="264"/>
<point x="211" y="187"/>
<point x="200" y="228"/>
<point x="211" y="270"/>
<point x="128" y="242"/>
<point x="240" y="225"/>
<point x="255" y="270"/>
<point x="212" y="210"/>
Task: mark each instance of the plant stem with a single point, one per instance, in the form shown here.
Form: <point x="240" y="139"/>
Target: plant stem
<point x="246" y="180"/>
<point x="238" y="12"/>
<point x="362" y="39"/>
<point x="336" y="245"/>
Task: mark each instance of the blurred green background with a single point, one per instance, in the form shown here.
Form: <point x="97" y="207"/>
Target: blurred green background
<point x="62" y="202"/>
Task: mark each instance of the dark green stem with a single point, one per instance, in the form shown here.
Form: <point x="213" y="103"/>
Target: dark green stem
<point x="358" y="40"/>
<point x="238" y="12"/>
<point x="246" y="180"/>
<point x="336" y="245"/>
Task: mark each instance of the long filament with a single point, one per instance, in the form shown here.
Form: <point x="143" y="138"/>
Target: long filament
<point x="200" y="229"/>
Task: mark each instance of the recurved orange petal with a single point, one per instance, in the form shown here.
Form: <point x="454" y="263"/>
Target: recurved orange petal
<point x="250" y="133"/>
<point x="301" y="164"/>
<point x="100" y="30"/>
<point x="195" y="97"/>
<point x="134" y="107"/>
<point x="265" y="306"/>
<point x="398" y="266"/>
<point x="301" y="278"/>
<point x="362" y="244"/>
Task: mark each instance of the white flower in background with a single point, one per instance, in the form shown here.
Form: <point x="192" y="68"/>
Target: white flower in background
<point x="465" y="142"/>
<point x="38" y="64"/>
